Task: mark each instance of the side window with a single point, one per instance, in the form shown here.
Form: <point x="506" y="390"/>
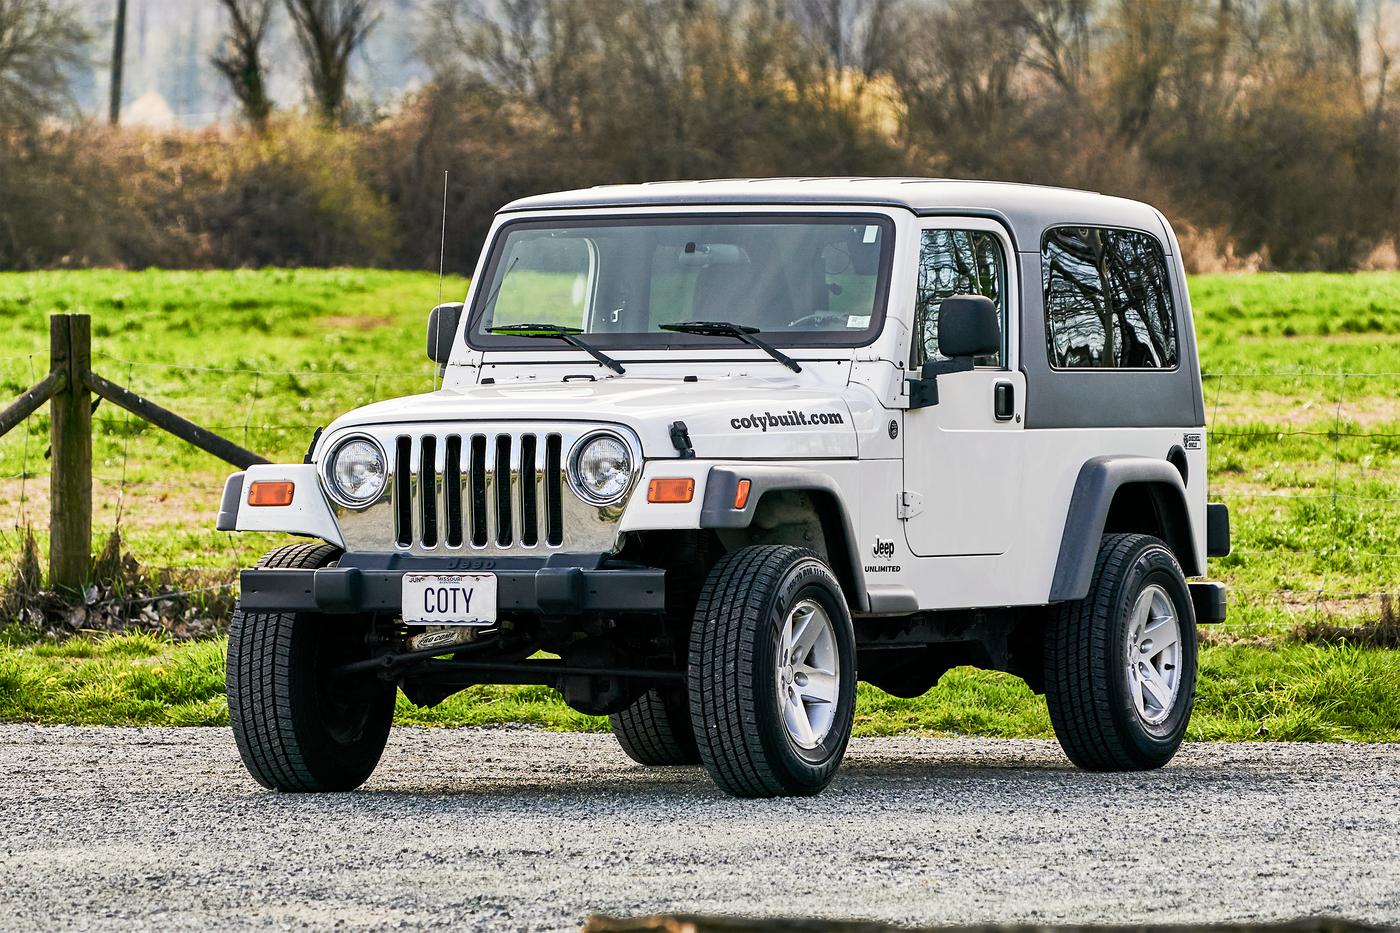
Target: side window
<point x="956" y="262"/>
<point x="1108" y="301"/>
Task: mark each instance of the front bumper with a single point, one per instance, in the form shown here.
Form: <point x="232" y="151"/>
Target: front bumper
<point x="560" y="585"/>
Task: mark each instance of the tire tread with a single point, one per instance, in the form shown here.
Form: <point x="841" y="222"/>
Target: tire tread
<point x="259" y="680"/>
<point x="1078" y="688"/>
<point x="723" y="647"/>
<point x="656" y="730"/>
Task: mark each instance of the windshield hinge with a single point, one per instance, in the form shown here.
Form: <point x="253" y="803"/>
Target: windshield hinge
<point x="910" y="504"/>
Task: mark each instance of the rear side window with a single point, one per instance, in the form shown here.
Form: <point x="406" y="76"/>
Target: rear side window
<point x="1108" y="300"/>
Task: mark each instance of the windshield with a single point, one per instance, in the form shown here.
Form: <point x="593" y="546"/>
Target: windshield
<point x="802" y="280"/>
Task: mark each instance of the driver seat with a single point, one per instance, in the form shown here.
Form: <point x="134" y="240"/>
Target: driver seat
<point x="753" y="293"/>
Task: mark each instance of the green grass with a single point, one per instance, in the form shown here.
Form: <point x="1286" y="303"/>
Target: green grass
<point x="130" y="680"/>
<point x="1303" y="402"/>
<point x="1314" y="321"/>
<point x="1314" y="532"/>
<point x="274" y="354"/>
<point x="1291" y="693"/>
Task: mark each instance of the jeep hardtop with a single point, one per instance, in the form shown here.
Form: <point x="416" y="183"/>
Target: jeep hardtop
<point x="706" y="453"/>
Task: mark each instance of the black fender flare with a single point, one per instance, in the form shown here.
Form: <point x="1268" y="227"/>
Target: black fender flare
<point x="717" y="511"/>
<point x="1099" y="480"/>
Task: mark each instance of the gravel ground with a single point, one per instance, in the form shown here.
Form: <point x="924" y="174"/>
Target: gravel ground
<point x="124" y="829"/>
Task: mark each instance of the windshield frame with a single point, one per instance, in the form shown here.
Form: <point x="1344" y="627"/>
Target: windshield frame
<point x="669" y="340"/>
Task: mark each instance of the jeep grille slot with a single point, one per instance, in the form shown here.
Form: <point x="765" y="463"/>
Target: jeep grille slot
<point x="452" y="490"/>
<point x="403" y="493"/>
<point x="554" y="490"/>
<point x="506" y="478"/>
<point x="529" y="494"/>
<point x="478" y="499"/>
<point x="428" y="487"/>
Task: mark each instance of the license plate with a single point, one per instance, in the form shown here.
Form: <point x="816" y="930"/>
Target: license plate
<point x="449" y="598"/>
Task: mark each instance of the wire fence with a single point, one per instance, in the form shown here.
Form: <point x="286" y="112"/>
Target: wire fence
<point x="1315" y="523"/>
<point x="159" y="493"/>
<point x="1321" y="431"/>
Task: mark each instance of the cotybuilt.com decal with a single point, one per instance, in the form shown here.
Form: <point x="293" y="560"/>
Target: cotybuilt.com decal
<point x="788" y="419"/>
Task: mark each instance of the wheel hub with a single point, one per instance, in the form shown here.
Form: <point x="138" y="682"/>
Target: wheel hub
<point x="808" y="674"/>
<point x="1154" y="655"/>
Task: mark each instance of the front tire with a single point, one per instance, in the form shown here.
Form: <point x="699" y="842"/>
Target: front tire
<point x="1120" y="664"/>
<point x="772" y="673"/>
<point x="296" y="727"/>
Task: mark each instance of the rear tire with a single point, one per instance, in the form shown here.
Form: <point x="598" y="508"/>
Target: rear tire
<point x="298" y="729"/>
<point x="1120" y="664"/>
<point x="656" y="729"/>
<point x="772" y="673"/>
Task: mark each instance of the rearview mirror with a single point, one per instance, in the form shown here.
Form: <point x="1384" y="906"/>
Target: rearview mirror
<point x="442" y="330"/>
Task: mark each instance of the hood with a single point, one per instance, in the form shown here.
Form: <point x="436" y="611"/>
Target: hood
<point x="731" y="417"/>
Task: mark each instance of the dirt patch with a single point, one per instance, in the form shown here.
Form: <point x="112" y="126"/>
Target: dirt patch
<point x="1318" y="413"/>
<point x="1225" y="638"/>
<point x="1304" y="602"/>
<point x="143" y="506"/>
<point x="359" y="323"/>
<point x="689" y="923"/>
<point x="1381" y="632"/>
<point x="123" y="597"/>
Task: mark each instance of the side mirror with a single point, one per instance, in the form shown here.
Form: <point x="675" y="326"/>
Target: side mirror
<point x="442" y="330"/>
<point x="967" y="327"/>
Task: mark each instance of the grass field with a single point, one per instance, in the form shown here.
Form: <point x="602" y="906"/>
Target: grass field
<point x="262" y="358"/>
<point x="1305" y="455"/>
<point x="1290" y="693"/>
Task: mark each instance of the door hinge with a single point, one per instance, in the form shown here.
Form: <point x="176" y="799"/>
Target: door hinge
<point x="910" y="504"/>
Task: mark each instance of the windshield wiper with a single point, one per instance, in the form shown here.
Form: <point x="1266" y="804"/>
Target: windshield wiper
<point x="738" y="332"/>
<point x="565" y="334"/>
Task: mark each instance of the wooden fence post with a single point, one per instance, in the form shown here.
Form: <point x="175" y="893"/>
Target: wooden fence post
<point x="70" y="470"/>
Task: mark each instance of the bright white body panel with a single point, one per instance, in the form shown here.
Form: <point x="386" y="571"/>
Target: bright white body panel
<point x="309" y="513"/>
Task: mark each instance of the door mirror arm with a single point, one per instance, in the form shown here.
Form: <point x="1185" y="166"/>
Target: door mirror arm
<point x="923" y="391"/>
<point x="968" y="327"/>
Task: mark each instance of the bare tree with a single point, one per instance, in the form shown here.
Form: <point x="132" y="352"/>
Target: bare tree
<point x="37" y="39"/>
<point x="239" y="58"/>
<point x="961" y="81"/>
<point x="329" y="32"/>
<point x="856" y="34"/>
<point x="1060" y="30"/>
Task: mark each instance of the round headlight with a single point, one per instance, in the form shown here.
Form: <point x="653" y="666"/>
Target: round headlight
<point x="603" y="469"/>
<point x="357" y="471"/>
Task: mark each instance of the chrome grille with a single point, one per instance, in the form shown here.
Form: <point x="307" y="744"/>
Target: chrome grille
<point x="495" y="502"/>
<point x="487" y="488"/>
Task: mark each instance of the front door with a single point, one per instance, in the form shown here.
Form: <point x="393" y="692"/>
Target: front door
<point x="963" y="456"/>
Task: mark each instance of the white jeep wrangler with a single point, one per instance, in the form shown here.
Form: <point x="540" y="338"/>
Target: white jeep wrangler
<point x="721" y="448"/>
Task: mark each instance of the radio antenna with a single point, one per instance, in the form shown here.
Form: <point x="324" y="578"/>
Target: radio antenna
<point x="442" y="255"/>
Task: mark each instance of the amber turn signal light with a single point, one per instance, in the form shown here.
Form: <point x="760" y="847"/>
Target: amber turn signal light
<point x="741" y="494"/>
<point x="270" y="493"/>
<point x="671" y="490"/>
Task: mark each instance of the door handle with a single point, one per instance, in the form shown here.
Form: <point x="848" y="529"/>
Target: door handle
<point x="1004" y="401"/>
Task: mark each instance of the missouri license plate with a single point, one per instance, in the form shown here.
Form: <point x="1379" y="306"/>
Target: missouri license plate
<point x="449" y="598"/>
